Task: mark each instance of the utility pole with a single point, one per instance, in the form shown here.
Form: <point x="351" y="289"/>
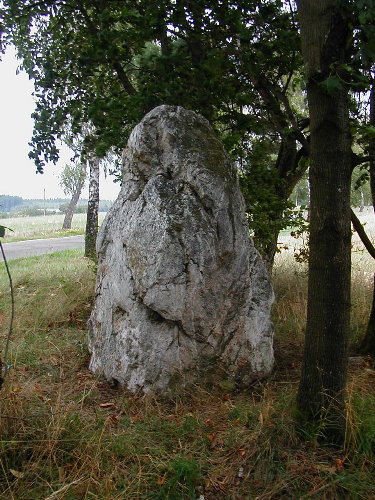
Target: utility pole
<point x="44" y="198"/>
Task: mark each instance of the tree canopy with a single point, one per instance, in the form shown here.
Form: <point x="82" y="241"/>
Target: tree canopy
<point x="238" y="63"/>
<point x="111" y="62"/>
<point x="108" y="63"/>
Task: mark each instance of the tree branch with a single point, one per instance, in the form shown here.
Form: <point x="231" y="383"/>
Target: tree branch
<point x="116" y="65"/>
<point x="123" y="77"/>
<point x="359" y="160"/>
<point x="362" y="234"/>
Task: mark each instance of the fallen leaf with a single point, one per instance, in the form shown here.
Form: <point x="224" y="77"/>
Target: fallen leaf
<point x="242" y="452"/>
<point x="16" y="388"/>
<point x="325" y="468"/>
<point x="227" y="397"/>
<point x="339" y="463"/>
<point x="17" y="474"/>
<point x="114" y="418"/>
<point x="107" y="405"/>
<point x="161" y="480"/>
<point x="211" y="436"/>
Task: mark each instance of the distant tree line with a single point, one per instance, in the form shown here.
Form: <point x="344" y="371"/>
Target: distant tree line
<point x="8" y="202"/>
<point x="17" y="206"/>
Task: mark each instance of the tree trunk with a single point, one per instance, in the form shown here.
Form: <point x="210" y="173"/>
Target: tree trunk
<point x="92" y="209"/>
<point x="269" y="253"/>
<point x="67" y="224"/>
<point x="324" y="372"/>
<point x="289" y="172"/>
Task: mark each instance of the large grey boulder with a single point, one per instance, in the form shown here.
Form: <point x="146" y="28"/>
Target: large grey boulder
<point x="181" y="292"/>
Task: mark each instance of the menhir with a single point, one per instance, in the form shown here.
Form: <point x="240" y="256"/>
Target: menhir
<point x="182" y="296"/>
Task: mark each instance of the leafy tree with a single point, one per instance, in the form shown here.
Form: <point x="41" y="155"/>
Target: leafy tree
<point x="108" y="63"/>
<point x="360" y="188"/>
<point x="72" y="181"/>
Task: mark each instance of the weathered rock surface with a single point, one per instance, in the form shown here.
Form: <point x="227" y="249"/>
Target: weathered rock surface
<point x="180" y="291"/>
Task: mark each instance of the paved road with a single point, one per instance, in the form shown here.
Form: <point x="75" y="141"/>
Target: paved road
<point x="31" y="248"/>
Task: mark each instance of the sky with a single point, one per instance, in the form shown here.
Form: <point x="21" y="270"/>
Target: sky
<point x="17" y="172"/>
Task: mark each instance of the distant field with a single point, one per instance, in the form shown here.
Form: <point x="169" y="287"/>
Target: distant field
<point x="289" y="243"/>
<point x="43" y="226"/>
<point x="49" y="226"/>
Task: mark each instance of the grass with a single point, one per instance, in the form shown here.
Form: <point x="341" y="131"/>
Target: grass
<point x="48" y="226"/>
<point x="65" y="434"/>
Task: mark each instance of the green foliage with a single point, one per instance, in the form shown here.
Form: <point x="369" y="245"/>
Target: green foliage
<point x="71" y="177"/>
<point x="355" y="73"/>
<point x="332" y="85"/>
<point x="361" y="191"/>
<point x="268" y="208"/>
<point x="72" y="65"/>
<point x="108" y="64"/>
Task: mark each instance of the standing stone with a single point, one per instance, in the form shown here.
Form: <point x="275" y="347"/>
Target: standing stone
<point x="181" y="292"/>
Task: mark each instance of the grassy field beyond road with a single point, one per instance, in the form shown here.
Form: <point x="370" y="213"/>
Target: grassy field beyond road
<point x="67" y="434"/>
<point x="48" y="226"/>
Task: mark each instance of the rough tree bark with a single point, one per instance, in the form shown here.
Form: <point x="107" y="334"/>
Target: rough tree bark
<point x="92" y="209"/>
<point x="321" y="392"/>
<point x="67" y="224"/>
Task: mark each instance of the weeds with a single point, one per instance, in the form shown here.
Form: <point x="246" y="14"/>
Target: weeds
<point x="65" y="434"/>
